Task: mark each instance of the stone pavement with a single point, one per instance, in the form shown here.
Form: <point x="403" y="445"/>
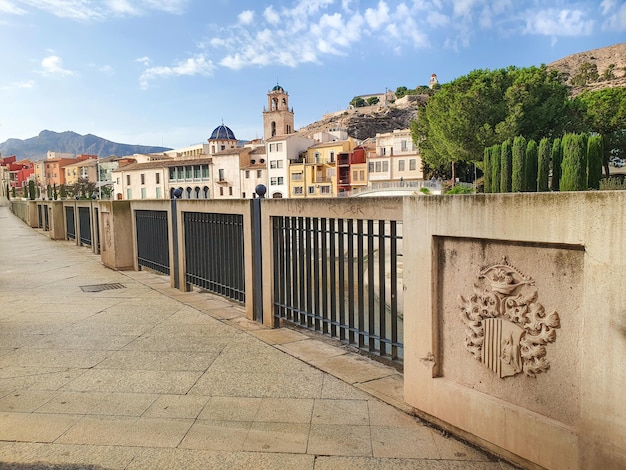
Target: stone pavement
<point x="147" y="377"/>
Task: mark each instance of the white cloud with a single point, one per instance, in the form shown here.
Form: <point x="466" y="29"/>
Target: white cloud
<point x="555" y="23"/>
<point x="27" y="85"/>
<point x="98" y="10"/>
<point x="246" y="17"/>
<point x="197" y="65"/>
<point x="616" y="20"/>
<point x="271" y="16"/>
<point x="145" y="61"/>
<point x="53" y="67"/>
<point x="10" y="7"/>
<point x="376" y="18"/>
<point x="607" y="6"/>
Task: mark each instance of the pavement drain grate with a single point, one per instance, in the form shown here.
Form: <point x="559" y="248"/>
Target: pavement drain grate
<point x="101" y="287"/>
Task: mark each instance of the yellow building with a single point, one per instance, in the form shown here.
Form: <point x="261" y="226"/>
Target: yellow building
<point x="86" y="169"/>
<point x="315" y="174"/>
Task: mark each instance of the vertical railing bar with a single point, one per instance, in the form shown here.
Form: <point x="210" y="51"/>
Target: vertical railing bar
<point x="309" y="281"/>
<point x="302" y="277"/>
<point x="394" y="290"/>
<point x="315" y="259"/>
<point x="342" y="280"/>
<point x="371" y="315"/>
<point x="332" y="315"/>
<point x="382" y="320"/>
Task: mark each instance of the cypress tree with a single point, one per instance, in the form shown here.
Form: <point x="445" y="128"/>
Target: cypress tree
<point x="31" y="190"/>
<point x="49" y="191"/>
<point x="506" y="164"/>
<point x="8" y="194"/>
<point x="518" y="171"/>
<point x="574" y="165"/>
<point x="557" y="158"/>
<point x="595" y="151"/>
<point x="531" y="166"/>
<point x="487" y="171"/>
<point x="55" y="194"/>
<point x="543" y="165"/>
<point x="495" y="168"/>
<point x="63" y="192"/>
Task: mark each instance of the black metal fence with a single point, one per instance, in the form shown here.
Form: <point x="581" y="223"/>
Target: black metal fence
<point x="70" y="223"/>
<point x="340" y="277"/>
<point x="214" y="253"/>
<point x="152" y="240"/>
<point x="84" y="223"/>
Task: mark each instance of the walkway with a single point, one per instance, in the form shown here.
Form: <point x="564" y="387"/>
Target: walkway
<point x="146" y="377"/>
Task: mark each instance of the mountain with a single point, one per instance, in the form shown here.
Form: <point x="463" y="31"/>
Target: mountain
<point x="36" y="148"/>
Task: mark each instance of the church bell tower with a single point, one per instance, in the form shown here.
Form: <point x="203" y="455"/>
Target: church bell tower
<point x="277" y="117"/>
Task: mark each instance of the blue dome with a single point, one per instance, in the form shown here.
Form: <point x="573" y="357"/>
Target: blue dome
<point x="278" y="88"/>
<point x="223" y="133"/>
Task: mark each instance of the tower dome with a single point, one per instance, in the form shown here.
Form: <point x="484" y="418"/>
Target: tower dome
<point x="278" y="88"/>
<point x="222" y="132"/>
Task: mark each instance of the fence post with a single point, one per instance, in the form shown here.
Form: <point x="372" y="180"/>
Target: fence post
<point x="257" y="260"/>
<point x="174" y="214"/>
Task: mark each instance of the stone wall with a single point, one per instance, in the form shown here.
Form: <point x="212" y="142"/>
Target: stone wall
<point x="517" y="337"/>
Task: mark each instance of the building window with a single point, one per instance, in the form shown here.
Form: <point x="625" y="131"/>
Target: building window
<point x="143" y="179"/>
<point x="205" y="171"/>
<point x="400" y="165"/>
<point x="325" y="189"/>
<point x="311" y="189"/>
<point x="197" y="172"/>
<point x="279" y="146"/>
<point x="157" y="178"/>
<point x="129" y="193"/>
<point x="412" y="164"/>
<point x="271" y="147"/>
<point x="221" y="174"/>
<point x="159" y="194"/>
<point x="273" y="164"/>
<point x="128" y="180"/>
<point x="143" y="193"/>
<point x="188" y="172"/>
<point x="221" y="190"/>
<point x="297" y="190"/>
<point x="385" y="166"/>
<point x="384" y="149"/>
<point x="296" y="177"/>
<point x="273" y="181"/>
<point x="404" y="145"/>
<point x="355" y="175"/>
<point x="259" y="173"/>
<point x="117" y="181"/>
<point x="371" y="167"/>
<point x="243" y="195"/>
<point x="362" y="174"/>
<point x="331" y="157"/>
<point x="172" y="174"/>
<point x="378" y="166"/>
<point x="247" y="174"/>
<point x="230" y="190"/>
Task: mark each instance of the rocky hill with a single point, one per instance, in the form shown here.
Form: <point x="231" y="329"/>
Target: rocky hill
<point x="36" y="148"/>
<point x="608" y="63"/>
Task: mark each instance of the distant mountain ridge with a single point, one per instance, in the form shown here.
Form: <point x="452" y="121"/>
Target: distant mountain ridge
<point x="36" y="148"/>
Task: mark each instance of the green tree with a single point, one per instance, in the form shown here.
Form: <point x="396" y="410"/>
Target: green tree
<point x="574" y="165"/>
<point x="401" y="91"/>
<point x="587" y="73"/>
<point x="506" y="163"/>
<point x="49" y="191"/>
<point x="496" y="167"/>
<point x="518" y="153"/>
<point x="31" y="190"/>
<point x="594" y="161"/>
<point x="487" y="169"/>
<point x="372" y="100"/>
<point x="358" y="102"/>
<point x="486" y="107"/>
<point x="13" y="193"/>
<point x="62" y="191"/>
<point x="557" y="158"/>
<point x="609" y="73"/>
<point x="543" y="166"/>
<point x="7" y="192"/>
<point x="55" y="193"/>
<point x="532" y="163"/>
<point x="605" y="114"/>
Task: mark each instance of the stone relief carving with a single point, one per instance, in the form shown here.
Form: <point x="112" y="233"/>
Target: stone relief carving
<point x="506" y="328"/>
<point x="107" y="234"/>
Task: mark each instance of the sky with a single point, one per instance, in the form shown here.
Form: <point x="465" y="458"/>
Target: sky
<point x="167" y="72"/>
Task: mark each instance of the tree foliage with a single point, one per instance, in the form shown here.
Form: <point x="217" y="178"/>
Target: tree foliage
<point x="358" y="102"/>
<point x="519" y="164"/>
<point x="587" y="73"/>
<point x="372" y="100"/>
<point x="594" y="161"/>
<point x="506" y="165"/>
<point x="543" y="166"/>
<point x="496" y="167"/>
<point x="557" y="158"/>
<point x="487" y="169"/>
<point x="531" y="167"/>
<point x="486" y="107"/>
<point x="574" y="165"/>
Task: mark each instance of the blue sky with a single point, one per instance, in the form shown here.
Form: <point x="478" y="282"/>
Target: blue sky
<point x="168" y="72"/>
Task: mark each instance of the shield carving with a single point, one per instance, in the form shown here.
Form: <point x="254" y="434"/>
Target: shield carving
<point x="501" y="347"/>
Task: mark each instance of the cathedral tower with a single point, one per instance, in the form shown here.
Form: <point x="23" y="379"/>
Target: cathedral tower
<point x="277" y="117"/>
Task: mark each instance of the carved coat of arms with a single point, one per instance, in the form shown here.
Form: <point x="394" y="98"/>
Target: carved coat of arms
<point x="506" y="328"/>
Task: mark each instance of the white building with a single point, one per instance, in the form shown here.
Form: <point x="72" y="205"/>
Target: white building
<point x="281" y="151"/>
<point x="397" y="158"/>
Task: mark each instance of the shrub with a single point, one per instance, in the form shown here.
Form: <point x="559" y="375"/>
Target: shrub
<point x="496" y="168"/>
<point x="574" y="165"/>
<point x="613" y="183"/>
<point x="487" y="168"/>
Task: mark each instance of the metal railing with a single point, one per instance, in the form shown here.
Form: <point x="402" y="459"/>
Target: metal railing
<point x="84" y="224"/>
<point x="152" y="240"/>
<point x="214" y="253"/>
<point x="340" y="277"/>
<point x="70" y="223"/>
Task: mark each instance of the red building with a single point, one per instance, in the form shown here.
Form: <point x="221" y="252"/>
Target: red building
<point x="19" y="171"/>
